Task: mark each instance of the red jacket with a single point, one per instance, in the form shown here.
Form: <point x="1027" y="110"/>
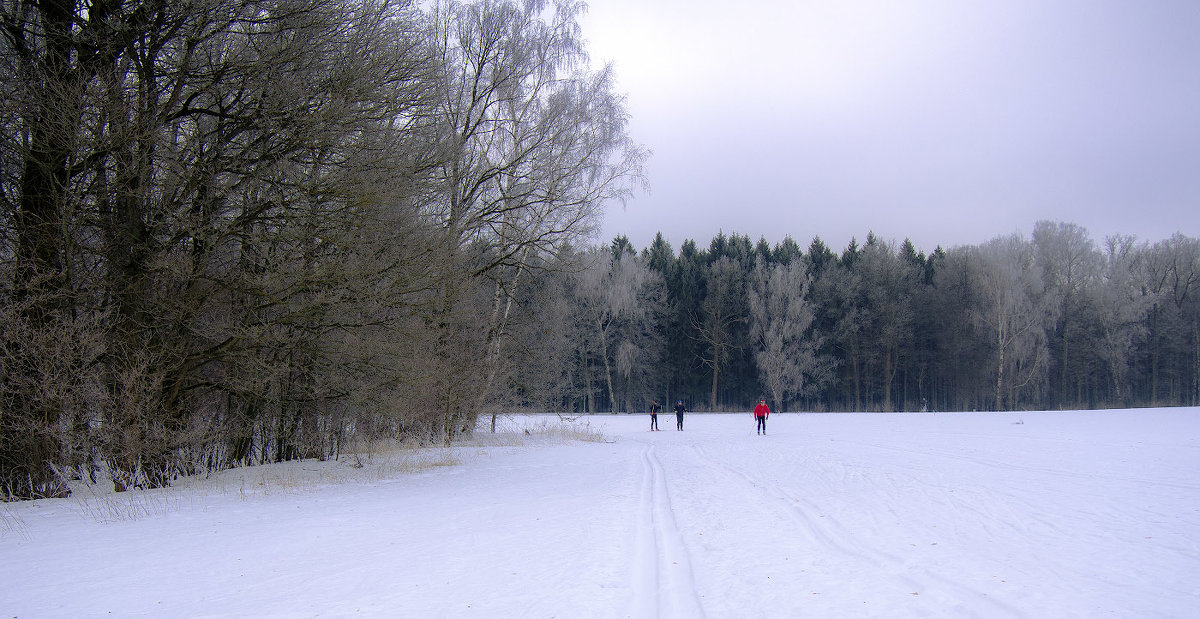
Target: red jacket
<point x="762" y="411"/>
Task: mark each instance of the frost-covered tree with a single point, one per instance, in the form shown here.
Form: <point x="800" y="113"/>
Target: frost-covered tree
<point x="1069" y="265"/>
<point x="1120" y="311"/>
<point x="1014" y="313"/>
<point x="785" y="348"/>
<point x="621" y="300"/>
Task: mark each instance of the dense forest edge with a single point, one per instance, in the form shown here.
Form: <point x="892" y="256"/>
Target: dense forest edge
<point x="245" y="231"/>
<point x="1052" y="321"/>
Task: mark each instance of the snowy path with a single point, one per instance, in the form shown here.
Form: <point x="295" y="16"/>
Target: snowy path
<point x="762" y="545"/>
<point x="1080" y="514"/>
<point x="662" y="576"/>
<point x="846" y="558"/>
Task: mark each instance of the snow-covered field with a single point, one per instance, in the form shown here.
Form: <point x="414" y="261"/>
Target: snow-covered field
<point x="1079" y="514"/>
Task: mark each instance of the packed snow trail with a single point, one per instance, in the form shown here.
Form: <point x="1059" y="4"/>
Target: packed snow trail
<point x="828" y="538"/>
<point x="663" y="581"/>
<point x="867" y="515"/>
<point x="755" y="540"/>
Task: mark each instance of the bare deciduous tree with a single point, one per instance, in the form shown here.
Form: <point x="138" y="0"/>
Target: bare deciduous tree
<point x="538" y="145"/>
<point x="220" y="195"/>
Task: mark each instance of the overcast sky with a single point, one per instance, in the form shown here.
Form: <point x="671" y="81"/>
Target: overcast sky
<point x="949" y="122"/>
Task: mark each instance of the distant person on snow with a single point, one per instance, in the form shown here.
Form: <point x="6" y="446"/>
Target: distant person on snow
<point x="761" y="412"/>
<point x="654" y="408"/>
<point x="680" y="409"/>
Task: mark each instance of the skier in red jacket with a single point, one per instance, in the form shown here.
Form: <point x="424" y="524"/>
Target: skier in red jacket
<point x="761" y="412"/>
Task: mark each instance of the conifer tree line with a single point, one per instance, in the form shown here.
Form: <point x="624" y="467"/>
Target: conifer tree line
<point x="1053" y="321"/>
<point x="245" y="231"/>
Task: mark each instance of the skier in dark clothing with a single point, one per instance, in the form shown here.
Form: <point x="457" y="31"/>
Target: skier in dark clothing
<point x="761" y="412"/>
<point x="654" y="408"/>
<point x="680" y="409"/>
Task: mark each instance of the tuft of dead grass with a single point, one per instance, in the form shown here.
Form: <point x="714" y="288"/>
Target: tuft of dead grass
<point x="374" y="463"/>
<point x="133" y="504"/>
<point x="11" y="523"/>
<point x="555" y="428"/>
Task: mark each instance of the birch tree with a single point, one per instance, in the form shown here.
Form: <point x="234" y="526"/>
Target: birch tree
<point x="1014" y="314"/>
<point x="538" y="145"/>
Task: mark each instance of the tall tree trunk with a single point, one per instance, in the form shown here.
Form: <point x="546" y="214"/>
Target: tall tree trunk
<point x="712" y="398"/>
<point x="1195" y="395"/>
<point x="503" y="296"/>
<point x="1000" y="348"/>
<point x="29" y="439"/>
<point x="889" y="376"/>
<point x="612" y="401"/>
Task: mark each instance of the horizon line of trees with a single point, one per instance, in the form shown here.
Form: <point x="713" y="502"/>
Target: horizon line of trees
<point x="1053" y="321"/>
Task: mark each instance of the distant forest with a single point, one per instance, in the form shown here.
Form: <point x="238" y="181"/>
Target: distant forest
<point x="1054" y="321"/>
<point x="245" y="231"/>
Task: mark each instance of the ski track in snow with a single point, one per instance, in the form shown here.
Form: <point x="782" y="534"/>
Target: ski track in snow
<point x="663" y="582"/>
<point x="1010" y="466"/>
<point x="838" y="540"/>
<point x="1083" y="514"/>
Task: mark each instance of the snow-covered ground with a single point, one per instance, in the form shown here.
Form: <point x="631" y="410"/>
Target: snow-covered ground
<point x="1079" y="514"/>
